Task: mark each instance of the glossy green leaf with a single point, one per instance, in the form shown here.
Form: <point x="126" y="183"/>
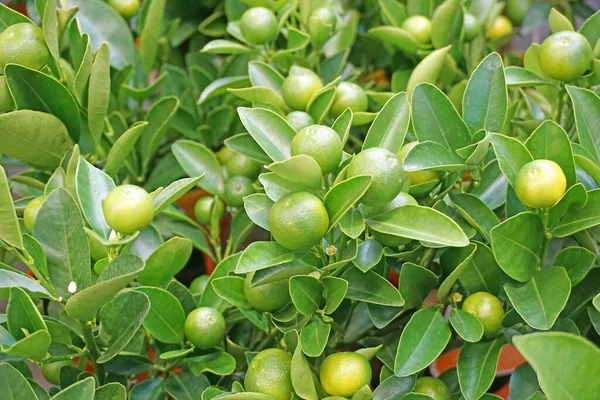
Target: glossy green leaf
<point x="244" y="144"/>
<point x="220" y="86"/>
<point x="422" y="341"/>
<point x="10" y="231"/>
<point x="521" y="77"/>
<point x="10" y="279"/>
<point x="93" y="187"/>
<point x="197" y="160"/>
<point x="587" y="120"/>
<point x="468" y="326"/>
<point x="231" y="289"/>
<point x="542" y="298"/>
<point x="151" y="33"/>
<point x="300" y="169"/>
<point x="186" y="386"/>
<point x="261" y="255"/>
<point x="116" y="276"/>
<point x="23" y="317"/>
<point x="428" y="70"/>
<point x="352" y="223"/>
<point x="343" y="196"/>
<point x="448" y="22"/>
<point x="151" y="389"/>
<point x="82" y="390"/>
<point x="302" y="379"/>
<point x="99" y="92"/>
<point x="565" y="364"/>
<point x="482" y="274"/>
<point x="342" y="125"/>
<point x="485" y="101"/>
<point x="159" y="118"/>
<point x="166" y="261"/>
<point x="272" y="133"/>
<point x="210" y="298"/>
<point x="262" y="74"/>
<point x="433" y="156"/>
<point x="454" y="261"/>
<point x="476" y="366"/>
<point x="558" y="22"/>
<point x="111" y="391"/>
<point x="9" y="17"/>
<point x="261" y="94"/>
<point x="173" y="192"/>
<point x="397" y="37"/>
<point x="34" y="137"/>
<point x="334" y="293"/>
<point x="575" y="197"/>
<point x="165" y="319"/>
<point x="370" y="287"/>
<point x="59" y="229"/>
<point x="258" y="206"/>
<point x="17" y="387"/>
<point x="369" y="254"/>
<point x="577" y="261"/>
<point x="221" y="46"/>
<point x="580" y="218"/>
<point x="314" y="337"/>
<point x="476" y="213"/>
<point x="512" y="155"/>
<point x="218" y="363"/>
<point x="390" y="126"/>
<point x="122" y="148"/>
<point x="306" y="293"/>
<point x="415" y="284"/>
<point x="394" y="387"/>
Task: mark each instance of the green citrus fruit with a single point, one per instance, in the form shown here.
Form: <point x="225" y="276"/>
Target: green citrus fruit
<point x="224" y="154"/>
<point x="236" y="189"/>
<point x="349" y="95"/>
<point x="321" y="24"/>
<point x="128" y="209"/>
<point x="421" y="182"/>
<point x="565" y="55"/>
<point x="321" y="143"/>
<point x="31" y="211"/>
<point x="97" y="250"/>
<point x="419" y="28"/>
<point x="343" y="374"/>
<point x="299" y="120"/>
<point x="198" y="285"/>
<point x="386" y="170"/>
<point x="127" y="8"/>
<point x="241" y="165"/>
<point x="501" y="27"/>
<point x="269" y="373"/>
<point x="517" y="9"/>
<point x="299" y="87"/>
<point x="269" y="297"/>
<point x="540" y="184"/>
<point x="259" y="25"/>
<point x="51" y="371"/>
<point x="432" y="387"/>
<point x="487" y="308"/>
<point x="23" y="44"/>
<point x="203" y="209"/>
<point x="298" y="221"/>
<point x="471" y="27"/>
<point x="205" y="328"/>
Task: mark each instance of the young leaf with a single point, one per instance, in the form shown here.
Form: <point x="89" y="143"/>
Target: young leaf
<point x="173" y="192"/>
<point x="476" y="367"/>
<point x="262" y="74"/>
<point x="448" y="22"/>
<point x="390" y="126"/>
<point x="22" y="315"/>
<point x="397" y="37"/>
<point x="151" y="33"/>
<point x="9" y="17"/>
<point x="580" y="218"/>
<point x="244" y="144"/>
<point x="428" y="69"/>
<point x="454" y="260"/>
<point x="334" y="293"/>
<point x="93" y="187"/>
<point x="120" y="150"/>
<point x="210" y="298"/>
<point x="159" y="118"/>
<point x="422" y="341"/>
<point x="99" y="92"/>
<point x="10" y="231"/>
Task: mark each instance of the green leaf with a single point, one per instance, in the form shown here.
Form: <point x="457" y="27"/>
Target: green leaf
<point x="334" y="293"/>
<point x="59" y="229"/>
<point x="342" y="125"/>
<point x="419" y="223"/>
<point x="173" y="192"/>
<point x="99" y="92"/>
<point x="220" y="86"/>
<point x="258" y="206"/>
<point x="34" y="347"/>
<point x="262" y="74"/>
<point x="34" y="137"/>
<point x="111" y="391"/>
<point x="221" y="46"/>
<point x="159" y="118"/>
<point x="590" y="30"/>
<point x="517" y="243"/>
<point x="523" y="382"/>
<point x="369" y="254"/>
<point x="165" y="319"/>
<point x="306" y="293"/>
<point x="341" y="197"/>
<point x="261" y="94"/>
<point x="521" y="77"/>
<point x="435" y="118"/>
<point x="114" y="277"/>
<point x="231" y="289"/>
<point x="577" y="261"/>
<point x="82" y="390"/>
<point x="151" y="389"/>
<point x="352" y="223"/>
<point x="135" y="305"/>
<point x="580" y="218"/>
<point x="300" y="169"/>
<point x="122" y="148"/>
<point x="197" y="160"/>
<point x="302" y="378"/>
<point x="415" y="284"/>
<point x="370" y="287"/>
<point x="218" y="363"/>
<point x="210" y="298"/>
<point x="454" y="261"/>
<point x="476" y="366"/>
<point x="10" y="377"/>
<point x="433" y="156"/>
<point x="23" y="317"/>
<point x="272" y="133"/>
<point x="550" y="142"/>
<point x="428" y="70"/>
<point x="566" y="364"/>
<point x="50" y="28"/>
<point x="392" y="12"/>
<point x="9" y="17"/>
<point x="485" y="100"/>
<point x="476" y="213"/>
<point x="587" y="120"/>
<point x="10" y="279"/>
<point x="244" y="144"/>
<point x="390" y="126"/>
<point x="186" y="386"/>
<point x="261" y="255"/>
<point x="93" y="187"/>
<point x="151" y="33"/>
<point x="559" y="22"/>
<point x="422" y="341"/>
<point x="394" y="387"/>
<point x="397" y="37"/>
<point x="448" y="22"/>
<point x="574" y="198"/>
<point x="468" y="326"/>
<point x="33" y="90"/>
<point x="10" y="231"/>
<point x="314" y="337"/>
<point x="166" y="261"/>
<point x="482" y="274"/>
<point x="512" y="155"/>
<point x="540" y="300"/>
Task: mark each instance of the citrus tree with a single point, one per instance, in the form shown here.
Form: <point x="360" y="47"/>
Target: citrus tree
<point x="381" y="190"/>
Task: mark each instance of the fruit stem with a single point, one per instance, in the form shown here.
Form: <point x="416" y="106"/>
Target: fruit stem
<point x="90" y="343"/>
<point x="65" y="357"/>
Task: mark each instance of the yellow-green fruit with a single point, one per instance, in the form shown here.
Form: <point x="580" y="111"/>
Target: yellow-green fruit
<point x="224" y="154"/>
<point x="299" y="87"/>
<point x="31" y="212"/>
<point x="259" y="25"/>
<point x="269" y="373"/>
<point x="128" y="209"/>
<point x="127" y="8"/>
<point x="343" y="374"/>
<point x="241" y="165"/>
<point x="198" y="285"/>
<point x="540" y="184"/>
<point x="321" y="143"/>
<point x="348" y="95"/>
<point x="421" y="182"/>
<point x="565" y="55"/>
<point x="298" y="221"/>
<point x="384" y="167"/>
<point x="205" y="328"/>
<point x="500" y="28"/>
<point x="299" y="120"/>
<point x="51" y="371"/>
<point x="203" y="209"/>
<point x="419" y="27"/>
<point x="471" y="27"/>
<point x="517" y="9"/>
<point x="487" y="308"/>
<point x="23" y="44"/>
<point x="432" y="387"/>
<point x="269" y="297"/>
<point x="236" y="188"/>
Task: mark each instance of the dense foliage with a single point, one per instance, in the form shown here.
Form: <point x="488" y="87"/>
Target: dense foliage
<point x="396" y="206"/>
